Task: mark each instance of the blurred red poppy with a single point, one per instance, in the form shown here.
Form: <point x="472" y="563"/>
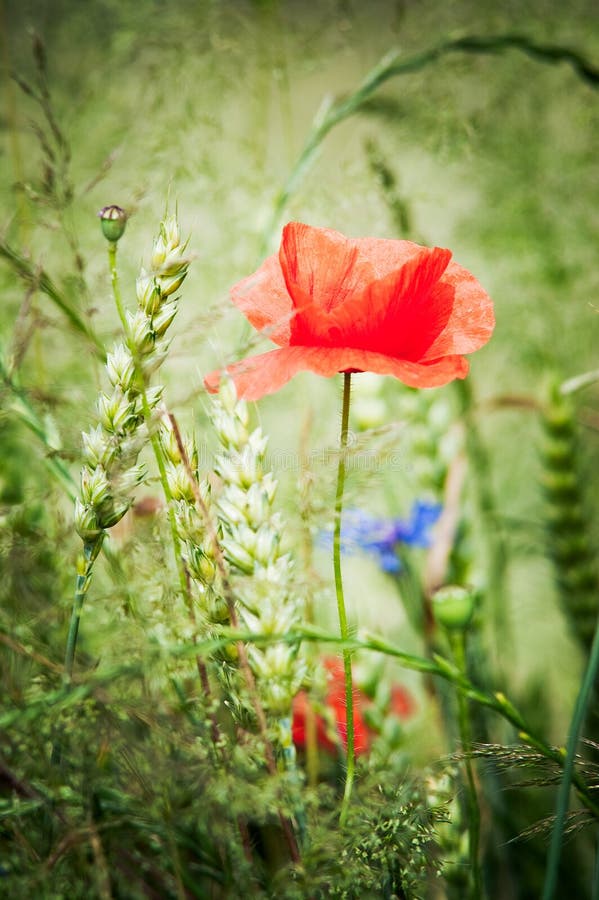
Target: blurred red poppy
<point x="402" y="702"/>
<point x="336" y="304"/>
<point x="331" y="733"/>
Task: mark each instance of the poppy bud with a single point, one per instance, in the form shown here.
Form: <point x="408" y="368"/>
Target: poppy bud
<point x="113" y="220"/>
<point x="453" y="606"/>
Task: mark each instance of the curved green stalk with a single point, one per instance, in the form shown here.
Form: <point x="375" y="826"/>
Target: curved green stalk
<point x="343" y="626"/>
<point x="580" y="709"/>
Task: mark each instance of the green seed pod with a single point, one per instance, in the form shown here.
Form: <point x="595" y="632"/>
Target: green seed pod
<point x="453" y="607"/>
<point x="113" y="220"/>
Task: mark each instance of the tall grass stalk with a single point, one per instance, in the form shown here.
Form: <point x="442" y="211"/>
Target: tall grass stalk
<point x="580" y="710"/>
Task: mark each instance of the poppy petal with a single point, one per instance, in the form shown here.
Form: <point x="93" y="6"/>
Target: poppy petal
<point x="472" y="320"/>
<point x="401" y="314"/>
<point x="337" y="304"/>
<point x="257" y="376"/>
<point x="321" y="268"/>
<point x="265" y="302"/>
<point x="386" y="255"/>
<point x="264" y="374"/>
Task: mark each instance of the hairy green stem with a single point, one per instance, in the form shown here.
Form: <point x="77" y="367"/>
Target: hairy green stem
<point x="580" y="710"/>
<point x="343" y="626"/>
<point x="459" y="650"/>
<point x="116" y="289"/>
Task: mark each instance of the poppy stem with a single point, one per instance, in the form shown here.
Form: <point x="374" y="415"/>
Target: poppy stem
<point x="343" y="627"/>
<point x="116" y="289"/>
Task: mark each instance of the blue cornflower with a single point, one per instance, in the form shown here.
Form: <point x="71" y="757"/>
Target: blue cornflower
<point x="381" y="537"/>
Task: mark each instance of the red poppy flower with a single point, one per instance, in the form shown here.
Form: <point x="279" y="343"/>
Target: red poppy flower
<point x="328" y="737"/>
<point x="331" y="734"/>
<point x="336" y="304"/>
